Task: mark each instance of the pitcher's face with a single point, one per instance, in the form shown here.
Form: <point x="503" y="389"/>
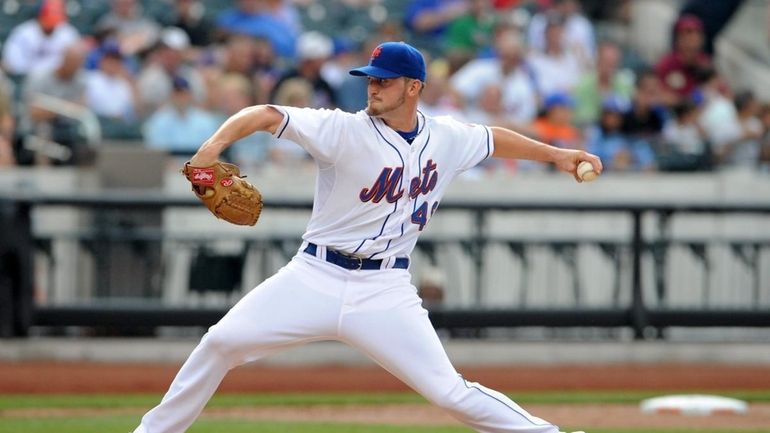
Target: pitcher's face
<point x="386" y="95"/>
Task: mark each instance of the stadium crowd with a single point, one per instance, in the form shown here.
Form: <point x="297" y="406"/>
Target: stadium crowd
<point x="165" y="74"/>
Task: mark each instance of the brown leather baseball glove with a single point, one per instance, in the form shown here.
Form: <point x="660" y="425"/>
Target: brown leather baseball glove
<point x="227" y="195"/>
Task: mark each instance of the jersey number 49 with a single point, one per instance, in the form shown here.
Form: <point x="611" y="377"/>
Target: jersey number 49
<point x="420" y="215"/>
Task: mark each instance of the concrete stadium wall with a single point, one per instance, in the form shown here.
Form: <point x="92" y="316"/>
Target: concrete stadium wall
<point x="462" y="352"/>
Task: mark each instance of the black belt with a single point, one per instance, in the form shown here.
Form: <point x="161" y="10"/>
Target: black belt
<point x="354" y="263"/>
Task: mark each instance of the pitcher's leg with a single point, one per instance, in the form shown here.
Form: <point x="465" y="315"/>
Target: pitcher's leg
<point x="280" y="313"/>
<point x="404" y="342"/>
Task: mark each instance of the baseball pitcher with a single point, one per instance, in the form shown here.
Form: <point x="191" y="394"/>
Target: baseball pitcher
<point x="381" y="175"/>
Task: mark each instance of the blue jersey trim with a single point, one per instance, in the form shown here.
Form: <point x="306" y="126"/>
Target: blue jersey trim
<point x="409" y="135"/>
<point x="395" y="207"/>
<point x="414" y="206"/>
<point x="380" y="252"/>
<point x="419" y="164"/>
<point x="503" y="403"/>
<point x="288" y="119"/>
<point x="424" y="122"/>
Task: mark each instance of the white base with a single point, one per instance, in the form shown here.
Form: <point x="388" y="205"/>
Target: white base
<point x="698" y="405"/>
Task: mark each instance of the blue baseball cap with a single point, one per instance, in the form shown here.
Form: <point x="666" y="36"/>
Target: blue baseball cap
<point x="180" y="83"/>
<point x="393" y="60"/>
<point x="558" y="99"/>
<point x="111" y="48"/>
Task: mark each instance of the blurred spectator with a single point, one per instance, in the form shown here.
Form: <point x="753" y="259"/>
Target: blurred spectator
<point x="209" y="68"/>
<point x="678" y="70"/>
<point x="107" y="39"/>
<point x="286" y="13"/>
<point x="556" y="68"/>
<point x="313" y="50"/>
<point x="714" y="15"/>
<point x="509" y="70"/>
<point x="577" y="37"/>
<point x="64" y="86"/>
<point x="165" y="62"/>
<point x="189" y="15"/>
<point x="647" y="115"/>
<point x="428" y="20"/>
<point x="251" y="58"/>
<point x="6" y="86"/>
<point x="555" y="126"/>
<point x="685" y="144"/>
<point x="431" y="287"/>
<point x="65" y="81"/>
<point x="717" y="106"/>
<point x="473" y="31"/>
<point x="504" y="5"/>
<point x="605" y="81"/>
<point x="7" y="122"/>
<point x="344" y="57"/>
<point x="351" y="95"/>
<point x="489" y="109"/>
<point x="294" y="92"/>
<point x="618" y="29"/>
<point x="234" y="93"/>
<point x="618" y="151"/>
<point x="135" y="32"/>
<point x="39" y="43"/>
<point x="738" y="140"/>
<point x="239" y="55"/>
<point x="256" y="19"/>
<point x="438" y="98"/>
<point x="179" y="126"/>
<point x="390" y="30"/>
<point x="110" y="90"/>
<point x="764" y="153"/>
<point x="266" y="71"/>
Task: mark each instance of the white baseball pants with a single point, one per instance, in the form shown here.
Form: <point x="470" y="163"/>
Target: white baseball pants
<point x="375" y="311"/>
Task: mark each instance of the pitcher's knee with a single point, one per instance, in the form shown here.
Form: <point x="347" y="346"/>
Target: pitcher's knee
<point x="221" y="343"/>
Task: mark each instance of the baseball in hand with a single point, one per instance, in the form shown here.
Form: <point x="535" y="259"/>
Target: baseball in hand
<point x="586" y="171"/>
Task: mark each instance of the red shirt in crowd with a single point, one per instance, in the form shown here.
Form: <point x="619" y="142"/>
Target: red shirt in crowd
<point x="676" y="75"/>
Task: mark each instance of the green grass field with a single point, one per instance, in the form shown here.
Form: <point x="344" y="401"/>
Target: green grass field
<point x="123" y="423"/>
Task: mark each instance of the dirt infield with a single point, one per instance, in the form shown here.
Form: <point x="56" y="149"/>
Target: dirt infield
<point x="46" y="377"/>
<point x="38" y="377"/>
<point x="583" y="415"/>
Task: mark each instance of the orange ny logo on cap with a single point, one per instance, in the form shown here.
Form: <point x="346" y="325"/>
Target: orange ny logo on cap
<point x="376" y="52"/>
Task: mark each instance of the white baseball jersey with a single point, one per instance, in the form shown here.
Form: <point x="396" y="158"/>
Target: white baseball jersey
<point x="375" y="192"/>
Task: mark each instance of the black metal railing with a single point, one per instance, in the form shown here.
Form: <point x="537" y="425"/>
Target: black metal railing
<point x="18" y="243"/>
